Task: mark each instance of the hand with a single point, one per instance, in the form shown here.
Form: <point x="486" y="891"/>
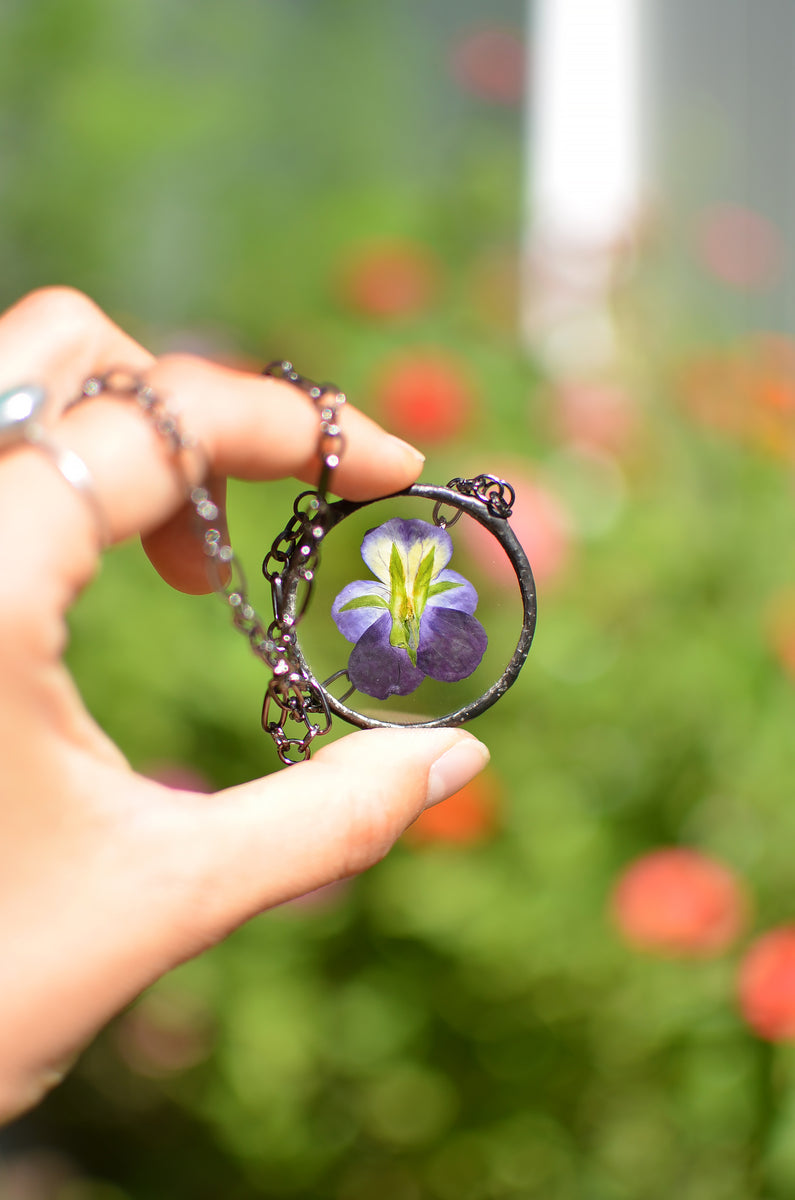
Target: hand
<point x="107" y="879"/>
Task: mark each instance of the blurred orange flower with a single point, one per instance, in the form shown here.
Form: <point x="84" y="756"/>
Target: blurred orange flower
<point x="469" y="816"/>
<point x="746" y="392"/>
<point x="678" y="902"/>
<point x="766" y="985"/>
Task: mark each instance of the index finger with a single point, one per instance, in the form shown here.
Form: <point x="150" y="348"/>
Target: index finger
<point x="249" y="426"/>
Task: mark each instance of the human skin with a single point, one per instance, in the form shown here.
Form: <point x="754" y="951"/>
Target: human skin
<point x="108" y="879"/>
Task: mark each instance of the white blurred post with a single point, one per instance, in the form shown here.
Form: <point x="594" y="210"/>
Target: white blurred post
<point x="583" y="162"/>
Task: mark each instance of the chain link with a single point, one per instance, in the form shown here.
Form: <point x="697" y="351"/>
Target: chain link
<point x="291" y="563"/>
<point x="292" y="694"/>
<point x="497" y="495"/>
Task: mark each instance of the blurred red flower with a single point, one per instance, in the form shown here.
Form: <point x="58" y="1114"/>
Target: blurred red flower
<point x="766" y="985"/>
<point x="600" y="415"/>
<point x="465" y="818"/>
<point x="490" y="63"/>
<point x="424" y="395"/>
<point x="389" y="278"/>
<point x="678" y="902"/>
<point x="540" y="522"/>
<point x="739" y="247"/>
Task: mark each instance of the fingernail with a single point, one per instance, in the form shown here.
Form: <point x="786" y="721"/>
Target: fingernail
<point x="409" y="450"/>
<point x="455" y="768"/>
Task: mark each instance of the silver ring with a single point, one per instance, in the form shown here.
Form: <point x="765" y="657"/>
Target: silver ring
<point x="20" y="411"/>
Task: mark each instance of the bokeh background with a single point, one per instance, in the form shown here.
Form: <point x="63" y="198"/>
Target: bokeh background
<point x="574" y="980"/>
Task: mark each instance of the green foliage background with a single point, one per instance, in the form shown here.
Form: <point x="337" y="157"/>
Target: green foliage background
<point x="462" y="1022"/>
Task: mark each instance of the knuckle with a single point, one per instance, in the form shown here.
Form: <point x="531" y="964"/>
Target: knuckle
<point x="58" y="305"/>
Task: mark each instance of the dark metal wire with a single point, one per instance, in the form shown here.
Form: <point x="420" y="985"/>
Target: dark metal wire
<point x="485" y="498"/>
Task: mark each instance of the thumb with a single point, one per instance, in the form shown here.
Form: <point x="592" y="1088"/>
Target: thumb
<point x="193" y="867"/>
<point x="276" y="838"/>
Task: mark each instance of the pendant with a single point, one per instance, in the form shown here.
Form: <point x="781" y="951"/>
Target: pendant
<point x="401" y="637"/>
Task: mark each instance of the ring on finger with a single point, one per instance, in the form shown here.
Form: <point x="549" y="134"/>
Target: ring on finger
<point x="21" y="410"/>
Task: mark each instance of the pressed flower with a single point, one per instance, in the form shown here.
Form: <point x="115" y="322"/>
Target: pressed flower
<point x="415" y="618"/>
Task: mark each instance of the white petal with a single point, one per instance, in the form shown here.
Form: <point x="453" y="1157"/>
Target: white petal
<point x="413" y="539"/>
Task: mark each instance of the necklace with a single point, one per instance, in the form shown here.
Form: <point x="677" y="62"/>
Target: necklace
<point x="412" y="619"/>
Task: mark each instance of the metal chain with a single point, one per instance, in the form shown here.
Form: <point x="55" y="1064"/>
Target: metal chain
<point x="497" y="495"/>
<point x="296" y="553"/>
<point x="291" y="690"/>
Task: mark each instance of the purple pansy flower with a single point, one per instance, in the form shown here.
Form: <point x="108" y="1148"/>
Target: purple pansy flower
<point x="415" y="618"/>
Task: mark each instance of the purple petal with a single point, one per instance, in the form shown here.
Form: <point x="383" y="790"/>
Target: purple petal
<point x="464" y="597"/>
<point x="353" y="623"/>
<point x="378" y="669"/>
<point x="413" y="539"/>
<point x="451" y="644"/>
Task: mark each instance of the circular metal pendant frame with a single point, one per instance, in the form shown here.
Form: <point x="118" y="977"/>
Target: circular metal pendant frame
<point x="501" y="530"/>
